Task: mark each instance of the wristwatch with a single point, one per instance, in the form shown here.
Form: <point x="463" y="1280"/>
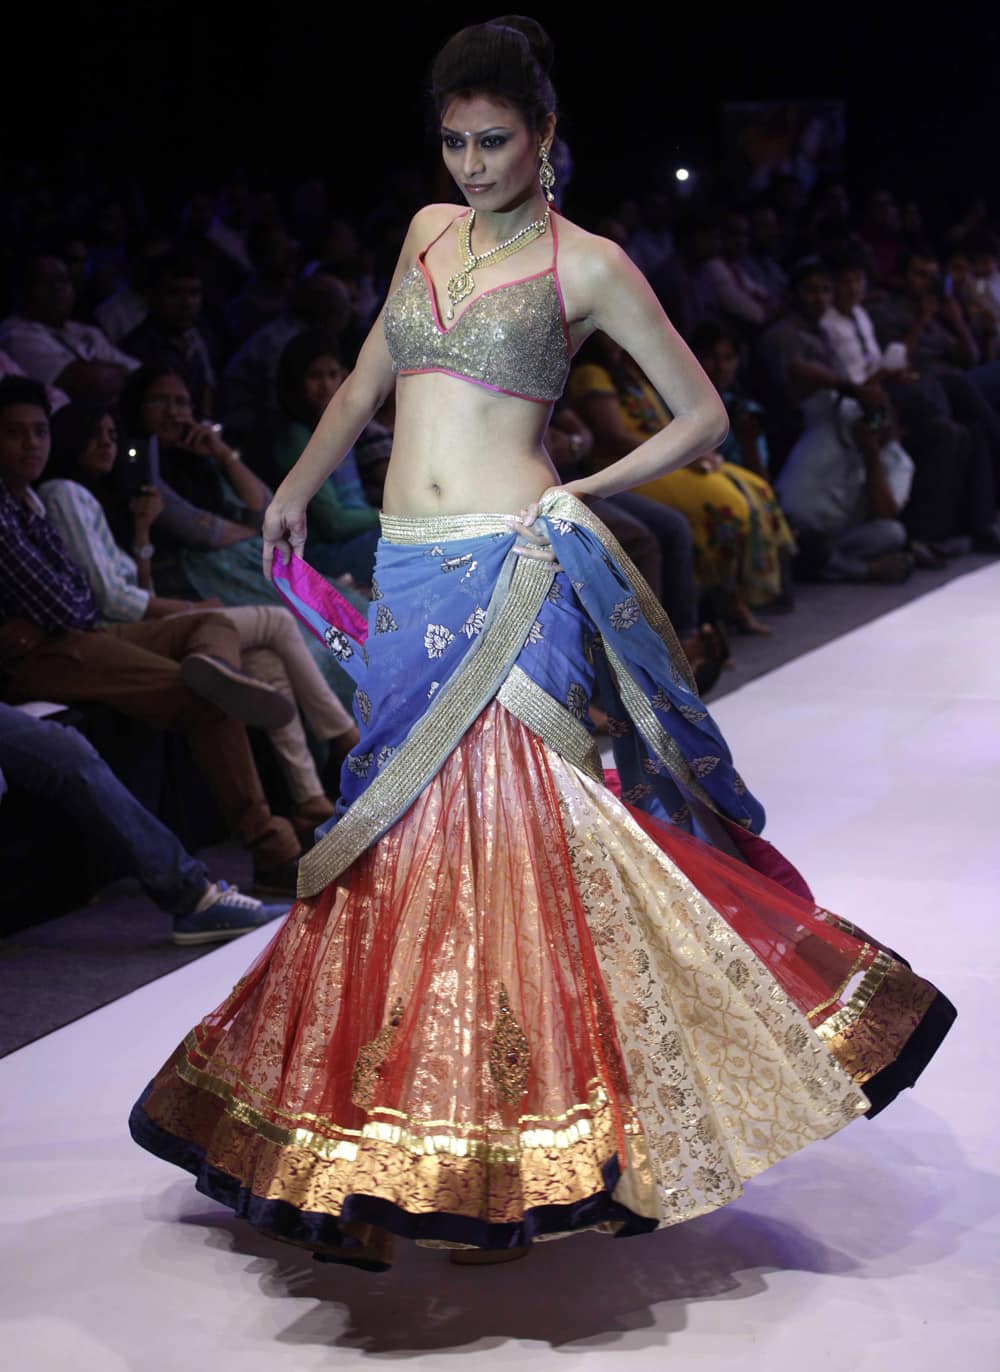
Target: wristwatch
<point x="145" y="552"/>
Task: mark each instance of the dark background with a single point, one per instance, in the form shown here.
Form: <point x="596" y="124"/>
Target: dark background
<point x="176" y="93"/>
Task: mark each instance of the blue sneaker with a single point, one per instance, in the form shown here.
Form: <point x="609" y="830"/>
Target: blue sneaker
<point x="224" y="913"/>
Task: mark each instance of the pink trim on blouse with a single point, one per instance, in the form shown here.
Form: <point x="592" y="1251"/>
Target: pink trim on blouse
<point x="555" y="277"/>
<point x="474" y="380"/>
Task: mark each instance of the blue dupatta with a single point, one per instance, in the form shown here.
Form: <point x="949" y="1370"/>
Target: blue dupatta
<point x="458" y="618"/>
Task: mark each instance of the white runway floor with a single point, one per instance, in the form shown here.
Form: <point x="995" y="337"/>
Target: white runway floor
<point x="879" y="759"/>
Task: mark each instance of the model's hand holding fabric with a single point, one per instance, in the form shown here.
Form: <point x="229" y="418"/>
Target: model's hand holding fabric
<point x="284" y="527"/>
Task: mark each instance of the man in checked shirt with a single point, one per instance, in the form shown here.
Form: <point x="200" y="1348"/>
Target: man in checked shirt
<point x="52" y="648"/>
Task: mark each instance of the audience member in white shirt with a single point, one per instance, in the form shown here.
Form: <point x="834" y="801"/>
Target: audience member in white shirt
<point x="849" y="329"/>
<point x="55" y="349"/>
<point x="742" y="294"/>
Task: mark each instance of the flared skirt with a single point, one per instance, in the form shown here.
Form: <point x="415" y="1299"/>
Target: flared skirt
<point x="529" y="1009"/>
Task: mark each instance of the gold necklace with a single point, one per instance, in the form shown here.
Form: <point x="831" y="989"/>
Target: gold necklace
<point x="462" y="284"/>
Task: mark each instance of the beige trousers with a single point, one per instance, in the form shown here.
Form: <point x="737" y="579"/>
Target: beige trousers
<point x="272" y="651"/>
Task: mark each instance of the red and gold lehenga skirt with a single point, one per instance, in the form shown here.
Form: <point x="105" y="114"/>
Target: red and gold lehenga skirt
<point x="510" y="1004"/>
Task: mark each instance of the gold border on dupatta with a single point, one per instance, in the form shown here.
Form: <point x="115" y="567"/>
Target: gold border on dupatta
<point x="517" y="597"/>
<point x="563" y="505"/>
<point x="441" y="528"/>
<point x="553" y="723"/>
<point x="663" y="745"/>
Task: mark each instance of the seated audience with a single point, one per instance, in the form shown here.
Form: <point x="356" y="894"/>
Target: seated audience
<point x="841" y="504"/>
<point x="936" y="509"/>
<point x="982" y="313"/>
<point x="717" y="349"/>
<point x="743" y="297"/>
<point x="85" y="503"/>
<point x="841" y="494"/>
<point x="172" y="333"/>
<point x="58" y="766"/>
<point x="649" y="241"/>
<point x="983" y="255"/>
<point x="267" y="293"/>
<point x="928" y="323"/>
<point x="248" y="393"/>
<point x="737" y="526"/>
<point x="179" y="671"/>
<point x="343" y="527"/>
<point x="122" y="311"/>
<point x="939" y="347"/>
<point x="49" y="345"/>
<point x="684" y="288"/>
<point x="8" y="367"/>
<point x="767" y="247"/>
<point x="882" y="233"/>
<point x="208" y="543"/>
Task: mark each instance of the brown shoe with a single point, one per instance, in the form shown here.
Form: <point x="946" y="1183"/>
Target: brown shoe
<point x="235" y="693"/>
<point x="275" y="845"/>
<point x="309" y="815"/>
<point x="892" y="569"/>
<point x="280" y="880"/>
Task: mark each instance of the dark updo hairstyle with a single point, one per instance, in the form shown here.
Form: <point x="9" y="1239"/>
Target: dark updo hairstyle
<point x="509" y="58"/>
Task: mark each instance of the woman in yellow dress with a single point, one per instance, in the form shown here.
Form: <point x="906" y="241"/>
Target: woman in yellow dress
<point x="737" y="525"/>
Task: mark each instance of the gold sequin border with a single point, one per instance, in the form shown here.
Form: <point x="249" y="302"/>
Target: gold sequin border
<point x="663" y="745"/>
<point x="417" y="1138"/>
<point x="861" y="999"/>
<point x="440" y="528"/>
<point x="552" y="722"/>
<point x="560" y="504"/>
<point x="514" y="605"/>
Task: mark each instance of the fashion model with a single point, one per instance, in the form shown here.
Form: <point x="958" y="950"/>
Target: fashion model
<point x="518" y="998"/>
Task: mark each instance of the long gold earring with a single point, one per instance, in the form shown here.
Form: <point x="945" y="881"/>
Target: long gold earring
<point x="546" y="173"/>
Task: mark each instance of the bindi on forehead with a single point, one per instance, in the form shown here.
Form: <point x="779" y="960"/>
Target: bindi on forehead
<point x="475" y="133"/>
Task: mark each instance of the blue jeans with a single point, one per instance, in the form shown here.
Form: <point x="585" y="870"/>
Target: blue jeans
<point x="58" y="765"/>
<point x="854" y="548"/>
<point x="679" y="594"/>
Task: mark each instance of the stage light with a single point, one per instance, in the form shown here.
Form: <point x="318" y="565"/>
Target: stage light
<point x="682" y="174"/>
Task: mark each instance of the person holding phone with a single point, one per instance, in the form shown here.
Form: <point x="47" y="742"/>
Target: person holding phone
<point x="107" y="522"/>
<point x="207" y="544"/>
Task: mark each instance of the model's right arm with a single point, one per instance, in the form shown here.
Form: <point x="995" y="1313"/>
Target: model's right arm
<point x="351" y="409"/>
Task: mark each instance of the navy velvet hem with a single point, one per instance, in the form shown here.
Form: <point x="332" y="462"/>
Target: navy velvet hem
<point x="323" y="1231"/>
<point x="883" y="1088"/>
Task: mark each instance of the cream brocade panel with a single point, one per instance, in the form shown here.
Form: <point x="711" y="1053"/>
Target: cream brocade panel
<point x="725" y="1073"/>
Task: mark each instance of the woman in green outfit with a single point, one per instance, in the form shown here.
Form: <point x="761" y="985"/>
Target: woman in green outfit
<point x="344" y="528"/>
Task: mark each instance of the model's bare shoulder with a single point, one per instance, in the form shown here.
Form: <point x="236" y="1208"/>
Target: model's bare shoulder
<point x="589" y="267"/>
<point x="429" y="220"/>
<point x="426" y="225"/>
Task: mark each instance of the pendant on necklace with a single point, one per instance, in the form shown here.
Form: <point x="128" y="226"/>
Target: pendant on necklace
<point x="460" y="285"/>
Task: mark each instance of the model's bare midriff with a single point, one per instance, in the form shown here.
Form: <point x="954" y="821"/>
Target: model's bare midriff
<point x="459" y="448"/>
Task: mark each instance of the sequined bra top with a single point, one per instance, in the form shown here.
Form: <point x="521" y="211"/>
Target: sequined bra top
<point x="511" y="338"/>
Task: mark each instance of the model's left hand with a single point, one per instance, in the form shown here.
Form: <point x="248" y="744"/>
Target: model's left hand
<point x="536" y="543"/>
